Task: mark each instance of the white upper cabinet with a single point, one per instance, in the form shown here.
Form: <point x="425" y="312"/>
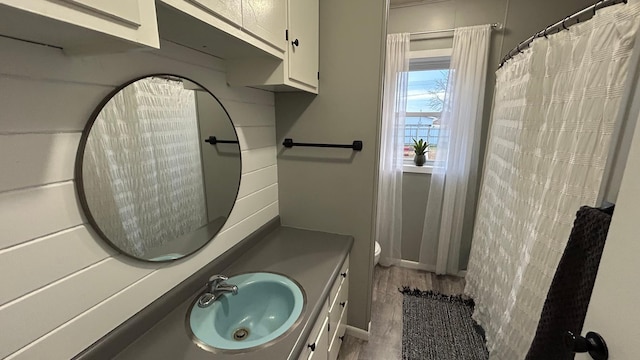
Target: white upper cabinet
<point x="230" y="10"/>
<point x="121" y="10"/>
<point x="304" y="41"/>
<point x="266" y="19"/>
<point x="299" y="70"/>
<point x="224" y="28"/>
<point x="272" y="44"/>
<point x="82" y="26"/>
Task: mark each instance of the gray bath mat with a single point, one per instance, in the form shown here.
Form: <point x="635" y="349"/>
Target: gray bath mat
<point x="439" y="327"/>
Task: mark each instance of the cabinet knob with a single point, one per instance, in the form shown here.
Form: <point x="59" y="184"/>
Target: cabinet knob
<point x="593" y="343"/>
<point x="295" y="42"/>
<point x="312" y="346"/>
<point x="344" y="274"/>
<point x="341" y="338"/>
<point x="343" y="303"/>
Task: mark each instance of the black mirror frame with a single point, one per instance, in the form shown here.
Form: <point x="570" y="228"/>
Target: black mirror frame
<point x="78" y="174"/>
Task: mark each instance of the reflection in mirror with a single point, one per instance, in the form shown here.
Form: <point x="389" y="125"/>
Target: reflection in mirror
<point x="149" y="183"/>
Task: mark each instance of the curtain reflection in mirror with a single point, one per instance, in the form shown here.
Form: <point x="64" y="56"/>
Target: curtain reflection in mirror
<point x="143" y="163"/>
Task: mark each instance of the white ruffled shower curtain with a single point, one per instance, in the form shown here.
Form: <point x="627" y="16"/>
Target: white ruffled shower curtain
<point x="394" y="104"/>
<point x="554" y="114"/>
<point x="457" y="154"/>
<point x="142" y="167"/>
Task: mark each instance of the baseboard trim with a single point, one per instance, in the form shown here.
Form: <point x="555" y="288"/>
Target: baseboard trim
<point x="358" y="333"/>
<point x="408" y="264"/>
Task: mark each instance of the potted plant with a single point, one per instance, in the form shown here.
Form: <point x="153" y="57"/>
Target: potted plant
<point x="420" y="148"/>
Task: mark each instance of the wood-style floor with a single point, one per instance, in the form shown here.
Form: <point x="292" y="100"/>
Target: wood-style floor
<point x="385" y="340"/>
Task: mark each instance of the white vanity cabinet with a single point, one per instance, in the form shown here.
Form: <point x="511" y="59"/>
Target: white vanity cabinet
<point x="299" y="70"/>
<point x="326" y="336"/>
<point x="82" y="26"/>
<point x="317" y="345"/>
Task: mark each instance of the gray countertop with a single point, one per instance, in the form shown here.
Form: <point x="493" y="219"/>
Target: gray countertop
<point x="311" y="258"/>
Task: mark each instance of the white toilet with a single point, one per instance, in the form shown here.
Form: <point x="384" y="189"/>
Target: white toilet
<point x="376" y="256"/>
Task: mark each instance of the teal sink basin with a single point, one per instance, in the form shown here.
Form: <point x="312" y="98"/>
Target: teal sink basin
<point x="266" y="306"/>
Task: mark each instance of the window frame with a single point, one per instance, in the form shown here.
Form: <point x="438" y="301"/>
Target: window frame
<point x="421" y="60"/>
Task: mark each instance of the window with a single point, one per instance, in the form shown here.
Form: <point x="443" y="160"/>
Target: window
<point x="428" y="77"/>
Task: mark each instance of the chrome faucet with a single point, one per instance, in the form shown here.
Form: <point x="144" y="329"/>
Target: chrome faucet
<point x="216" y="287"/>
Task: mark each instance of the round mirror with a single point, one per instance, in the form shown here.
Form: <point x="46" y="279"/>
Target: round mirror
<point x="158" y="167"/>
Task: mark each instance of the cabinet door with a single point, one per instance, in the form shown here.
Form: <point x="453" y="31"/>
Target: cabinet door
<point x="82" y="27"/>
<point x="304" y="41"/>
<point x="266" y="20"/>
<point x="230" y="10"/>
<point x="126" y="11"/>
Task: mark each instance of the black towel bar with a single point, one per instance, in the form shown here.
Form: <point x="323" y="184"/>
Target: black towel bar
<point x="212" y="140"/>
<point x="357" y="145"/>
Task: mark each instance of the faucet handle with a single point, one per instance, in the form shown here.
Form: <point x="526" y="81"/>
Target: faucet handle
<point x="216" y="279"/>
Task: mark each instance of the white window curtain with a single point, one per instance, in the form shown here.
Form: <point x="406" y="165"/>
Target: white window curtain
<point x="389" y="206"/>
<point x="142" y="163"/>
<point x="554" y="114"/>
<point x="455" y="167"/>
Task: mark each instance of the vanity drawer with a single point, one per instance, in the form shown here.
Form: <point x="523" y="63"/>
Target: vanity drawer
<point x="338" y="307"/>
<point x="341" y="327"/>
<point x="321" y="348"/>
<point x="342" y="275"/>
<point x="320" y="328"/>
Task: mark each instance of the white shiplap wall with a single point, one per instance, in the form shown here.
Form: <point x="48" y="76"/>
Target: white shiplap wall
<point x="61" y="288"/>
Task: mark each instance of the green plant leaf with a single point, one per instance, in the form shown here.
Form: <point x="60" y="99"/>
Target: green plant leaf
<point x="420" y="147"/>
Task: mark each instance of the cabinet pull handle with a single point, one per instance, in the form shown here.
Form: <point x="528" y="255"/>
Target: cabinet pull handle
<point x="344" y="274"/>
<point x="295" y="42"/>
<point x="312" y="347"/>
<point x="343" y="303"/>
<point x="593" y="343"/>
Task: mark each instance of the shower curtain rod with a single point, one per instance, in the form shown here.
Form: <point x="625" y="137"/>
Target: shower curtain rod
<point x="494" y="26"/>
<point x="559" y="26"/>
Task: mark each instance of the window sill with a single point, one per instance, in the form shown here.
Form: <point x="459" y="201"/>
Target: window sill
<point x="410" y="168"/>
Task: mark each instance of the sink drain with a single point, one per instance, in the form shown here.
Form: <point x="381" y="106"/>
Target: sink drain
<point x="240" y="334"/>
